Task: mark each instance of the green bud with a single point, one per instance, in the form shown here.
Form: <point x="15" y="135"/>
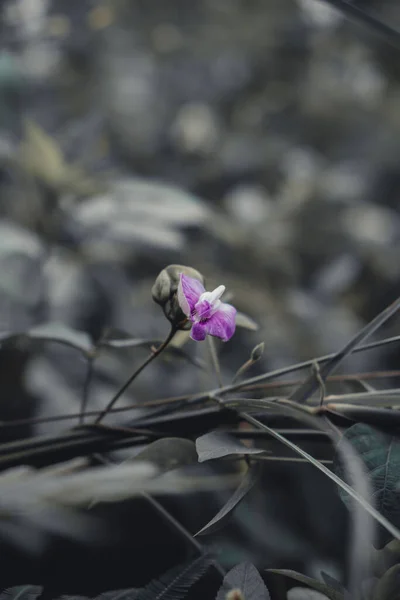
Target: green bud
<point x="164" y="292"/>
<point x="257" y="352"/>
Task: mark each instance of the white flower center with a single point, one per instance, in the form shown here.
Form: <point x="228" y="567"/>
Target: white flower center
<point x="213" y="297"/>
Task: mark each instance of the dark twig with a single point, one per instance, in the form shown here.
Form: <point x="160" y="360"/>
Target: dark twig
<point x="148" y="360"/>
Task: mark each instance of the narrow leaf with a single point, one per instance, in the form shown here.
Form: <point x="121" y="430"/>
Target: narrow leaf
<point x="332" y="582"/>
<point x="175" y="583"/>
<point x="248" y="580"/>
<point x="315" y="584"/>
<point x="247" y="483"/>
<point x="217" y="444"/>
<point x="128" y="594"/>
<point x="246" y="322"/>
<point x="311" y="384"/>
<point x="355" y="13"/>
<point x="395" y="532"/>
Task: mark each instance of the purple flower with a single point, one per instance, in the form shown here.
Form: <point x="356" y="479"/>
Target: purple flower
<point x="205" y="310"/>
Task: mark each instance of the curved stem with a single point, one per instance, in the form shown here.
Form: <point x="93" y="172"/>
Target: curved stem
<point x="148" y="360"/>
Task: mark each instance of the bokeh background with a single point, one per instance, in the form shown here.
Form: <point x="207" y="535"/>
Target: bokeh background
<point x="256" y="140"/>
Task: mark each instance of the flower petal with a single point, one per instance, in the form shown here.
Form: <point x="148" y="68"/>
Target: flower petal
<point x="198" y="333"/>
<point x="189" y="291"/>
<point x="222" y="324"/>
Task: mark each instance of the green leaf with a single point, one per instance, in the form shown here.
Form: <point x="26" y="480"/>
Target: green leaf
<point x="388" y="588"/>
<point x="217" y="444"/>
<point x="248" y="580"/>
<point x="315" y="584"/>
<point x="247" y="483"/>
<point x="21" y="592"/>
<point x="169" y="453"/>
<point x="380" y="453"/>
<point x="175" y="583"/>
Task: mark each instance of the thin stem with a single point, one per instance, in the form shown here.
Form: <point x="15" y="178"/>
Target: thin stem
<point x="242" y="369"/>
<point x="148" y="360"/>
<point x="215" y="360"/>
<point x="86" y="388"/>
<point x="165" y="401"/>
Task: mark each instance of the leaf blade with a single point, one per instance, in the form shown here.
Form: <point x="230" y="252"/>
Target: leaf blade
<point x="217" y="444"/>
<point x="247" y="483"/>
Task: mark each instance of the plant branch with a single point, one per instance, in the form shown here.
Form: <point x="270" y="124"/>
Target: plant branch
<point x="148" y="360"/>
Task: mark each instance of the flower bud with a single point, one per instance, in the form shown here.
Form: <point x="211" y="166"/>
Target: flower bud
<point x="164" y="292"/>
<point x="257" y="352"/>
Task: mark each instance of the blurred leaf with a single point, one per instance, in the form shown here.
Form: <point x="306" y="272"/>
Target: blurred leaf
<point x="128" y="342"/>
<point x="58" y="332"/>
<point x="246" y="322"/>
<point x="54" y="332"/>
<point x="249" y="480"/>
<point x="41" y="155"/>
<point x="175" y="583"/>
<point x="333" y="583"/>
<point x="388" y="587"/>
<point x="248" y="580"/>
<point x="128" y="594"/>
<point x="170" y="352"/>
<point x="386" y="557"/>
<point x="169" y="453"/>
<point x="21" y="592"/>
<point x="217" y="444"/>
<point x="380" y="453"/>
<point x="161" y="201"/>
<point x="298" y="593"/>
<point x="315" y="584"/>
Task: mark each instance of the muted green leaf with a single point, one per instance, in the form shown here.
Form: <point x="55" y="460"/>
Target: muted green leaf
<point x="315" y="584"/>
<point x="247" y="483"/>
<point x="218" y="444"/>
<point x="21" y="592"/>
<point x="169" y="453"/>
<point x="248" y="580"/>
<point x="380" y="453"/>
<point x="388" y="587"/>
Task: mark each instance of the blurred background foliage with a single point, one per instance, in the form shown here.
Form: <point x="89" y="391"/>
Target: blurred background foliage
<point x="254" y="140"/>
